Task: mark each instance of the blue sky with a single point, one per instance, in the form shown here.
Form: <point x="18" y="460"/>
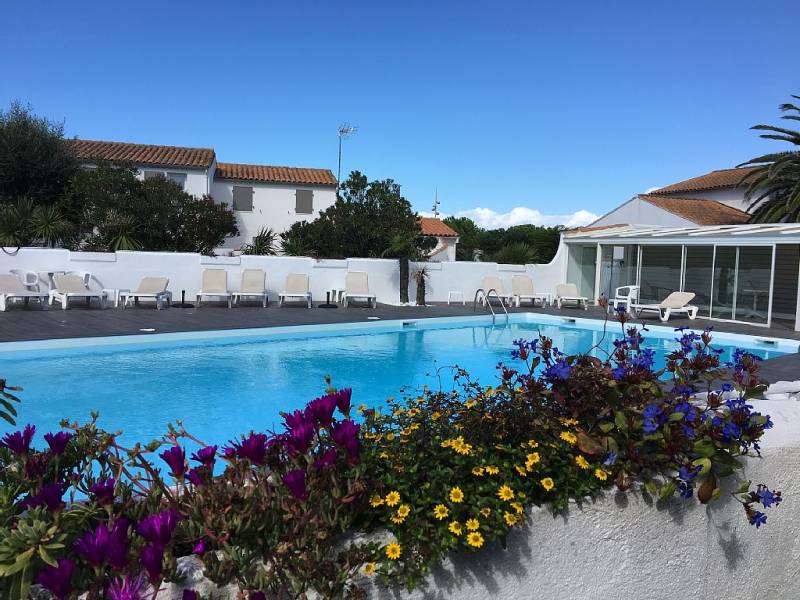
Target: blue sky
<point x="530" y="111"/>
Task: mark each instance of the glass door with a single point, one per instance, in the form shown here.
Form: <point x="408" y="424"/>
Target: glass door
<point x="753" y="279"/>
<point x="617" y="268"/>
<point x="697" y="276"/>
<point x="723" y="296"/>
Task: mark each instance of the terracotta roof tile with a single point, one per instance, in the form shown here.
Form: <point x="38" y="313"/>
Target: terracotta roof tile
<point x="144" y="154"/>
<point x="436" y="227"/>
<point x="699" y="210"/>
<point x="267" y="173"/>
<point x="721" y="179"/>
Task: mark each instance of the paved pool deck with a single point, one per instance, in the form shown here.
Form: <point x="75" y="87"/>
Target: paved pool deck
<point x="19" y="324"/>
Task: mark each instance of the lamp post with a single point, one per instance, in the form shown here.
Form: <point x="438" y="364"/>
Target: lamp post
<point x="345" y="130"/>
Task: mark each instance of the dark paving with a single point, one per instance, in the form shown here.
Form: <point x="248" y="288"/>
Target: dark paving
<point x="36" y="324"/>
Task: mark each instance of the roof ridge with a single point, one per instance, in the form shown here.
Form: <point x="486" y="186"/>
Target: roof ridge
<point x="77" y="139"/>
<point x="238" y="164"/>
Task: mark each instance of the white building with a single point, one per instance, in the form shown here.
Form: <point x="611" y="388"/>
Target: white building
<point x="261" y="195"/>
<point x="446" y="239"/>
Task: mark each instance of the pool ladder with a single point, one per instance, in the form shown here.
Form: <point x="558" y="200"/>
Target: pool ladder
<point x="486" y="297"/>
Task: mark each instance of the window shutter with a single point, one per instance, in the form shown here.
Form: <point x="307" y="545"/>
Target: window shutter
<point x="243" y="198"/>
<point x="304" y="202"/>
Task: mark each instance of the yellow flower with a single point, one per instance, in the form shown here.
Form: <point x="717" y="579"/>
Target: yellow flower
<point x="390" y="437"/>
<point x="462" y="448"/>
<point x="455" y="528"/>
<point x="369" y="568"/>
<point x="393" y="551"/>
<point x="456" y="495"/>
<point x="397" y="412"/>
<point x="518" y="508"/>
<point x="375" y="501"/>
<point x="532" y="460"/>
<point x="436" y="415"/>
<point x="491" y="470"/>
<point x="440" y="511"/>
<point x="505" y="493"/>
<point x="446" y="443"/>
<point x="393" y="498"/>
<point x="473" y="524"/>
<point x="547" y="484"/>
<point x="521" y="471"/>
<point x="533" y="444"/>
<point x="581" y="462"/>
<point x="511" y="520"/>
<point x="601" y="474"/>
<point x="477" y="471"/>
<point x="384" y="455"/>
<point x="470" y="403"/>
<point x="361" y="408"/>
<point x="568" y="437"/>
<point x="521" y="495"/>
<point x="486" y="511"/>
<point x="568" y="422"/>
<point x="475" y="539"/>
<point x="413" y="412"/>
<point x="401" y="513"/>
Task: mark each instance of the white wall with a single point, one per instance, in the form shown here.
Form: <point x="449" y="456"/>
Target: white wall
<point x="638" y="212"/>
<point x="445" y="250"/>
<point x="125" y="270"/>
<point x="273" y="206"/>
<point x="731" y="196"/>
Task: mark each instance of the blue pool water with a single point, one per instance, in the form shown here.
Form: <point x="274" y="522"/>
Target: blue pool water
<point x="221" y="387"/>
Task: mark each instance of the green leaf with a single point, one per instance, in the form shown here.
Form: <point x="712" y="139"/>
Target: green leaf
<point x="621" y="421"/>
<point x="704" y="464"/>
<point x="668" y="490"/>
<point x="705" y="448"/>
<point x="606" y="427"/>
<point x="745" y="487"/>
<point x="676" y="416"/>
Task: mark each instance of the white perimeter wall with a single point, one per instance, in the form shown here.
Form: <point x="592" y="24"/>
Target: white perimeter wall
<point x="125" y="269"/>
<point x="273" y="206"/>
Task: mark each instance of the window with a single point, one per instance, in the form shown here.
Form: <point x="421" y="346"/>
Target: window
<point x="243" y="198"/>
<point x="660" y="272"/>
<point x="178" y="179"/>
<point x="305" y="202"/>
<point x="697" y="276"/>
<point x="153" y="174"/>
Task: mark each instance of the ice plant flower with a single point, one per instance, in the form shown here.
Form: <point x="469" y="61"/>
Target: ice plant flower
<point x="601" y="474"/>
<point x="581" y="461"/>
<point x="151" y="557"/>
<point x="392" y="498"/>
<point x="175" y="457"/>
<point x="328" y="459"/>
<point x="345" y="433"/>
<point x="547" y="483"/>
<point x="343" y="397"/>
<point x="158" y="528"/>
<point x="49" y="496"/>
<point x="200" y="547"/>
<point x="475" y="539"/>
<point x="130" y="587"/>
<point x="206" y="456"/>
<point x="19" y="442"/>
<point x="189" y="595"/>
<point x="321" y="410"/>
<point x="456" y="495"/>
<point x="455" y="528"/>
<point x="103" y="491"/>
<point x="375" y="501"/>
<point x="295" y="480"/>
<point x="57" y="441"/>
<point x="105" y="545"/>
<point x="252" y="448"/>
<point x="440" y="512"/>
<point x="393" y="551"/>
<point x="505" y="493"/>
<point x="473" y="524"/>
<point x="298" y="439"/>
<point x="57" y="580"/>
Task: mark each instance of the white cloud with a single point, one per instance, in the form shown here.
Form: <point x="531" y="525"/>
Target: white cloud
<point x="520" y="215"/>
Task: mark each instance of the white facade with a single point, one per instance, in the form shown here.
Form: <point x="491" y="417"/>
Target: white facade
<point x="445" y="250"/>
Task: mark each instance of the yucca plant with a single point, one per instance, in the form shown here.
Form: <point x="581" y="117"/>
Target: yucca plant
<point x="516" y="253"/>
<point x="773" y="186"/>
<point x="264" y="243"/>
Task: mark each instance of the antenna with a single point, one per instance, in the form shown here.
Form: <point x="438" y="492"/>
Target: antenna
<point x="436" y="204"/>
<point x="345" y="130"/>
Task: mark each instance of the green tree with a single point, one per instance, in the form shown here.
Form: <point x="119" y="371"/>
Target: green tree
<point x="516" y="253"/>
<point x="36" y="162"/>
<point x="773" y="187"/>
<point x="541" y="242"/>
<point x="470" y="237"/>
<point x="25" y="224"/>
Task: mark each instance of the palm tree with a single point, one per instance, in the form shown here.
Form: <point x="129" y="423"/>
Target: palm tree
<point x="404" y="248"/>
<point x="24" y="224"/>
<point x="264" y="243"/>
<point x="773" y="187"/>
<point x="516" y="253"/>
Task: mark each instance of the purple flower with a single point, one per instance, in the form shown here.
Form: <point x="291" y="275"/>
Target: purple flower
<point x="195" y="476"/>
<point x="295" y="480"/>
<point x="298" y="440"/>
<point x="58" y="580"/>
<point x="327" y="459"/>
<point x="129" y="588"/>
<point x="206" y="456"/>
<point x="103" y="491"/>
<point x="256" y="596"/>
<point x="253" y="448"/>
<point x="158" y="528"/>
<point x="151" y="558"/>
<point x="343" y="400"/>
<point x="199" y="547"/>
<point x="19" y="442"/>
<point x="36" y="464"/>
<point x="49" y="496"/>
<point x="57" y="441"/>
<point x="294" y="419"/>
<point x="321" y="409"/>
<point x="345" y="433"/>
<point x="105" y="545"/>
<point x="189" y="595"/>
<point x="175" y="457"/>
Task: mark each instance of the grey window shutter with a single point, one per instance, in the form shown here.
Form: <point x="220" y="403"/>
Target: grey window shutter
<point x="304" y="202"/>
<point x="242" y="198"/>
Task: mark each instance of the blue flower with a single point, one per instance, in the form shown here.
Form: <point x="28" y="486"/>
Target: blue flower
<point x="727" y="387"/>
<point x="611" y="458"/>
<point x="688" y="473"/>
<point x="758" y="519"/>
<point x="619" y="372"/>
<point x="767" y="497"/>
<point x="686" y="490"/>
<point x="558" y="370"/>
<point x="731" y="431"/>
<point x="652" y="411"/>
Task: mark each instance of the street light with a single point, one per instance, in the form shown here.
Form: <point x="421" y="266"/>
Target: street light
<point x="345" y="130"/>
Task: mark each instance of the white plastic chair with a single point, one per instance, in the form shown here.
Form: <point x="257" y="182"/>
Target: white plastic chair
<point x="356" y="285"/>
<point x="254" y="285"/>
<point x="12" y="287"/>
<point x="214" y="285"/>
<point x="154" y="288"/>
<point x="568" y="292"/>
<point x="627" y="295"/>
<point x="296" y="288"/>
<point x="74" y="285"/>
<point x="522" y="289"/>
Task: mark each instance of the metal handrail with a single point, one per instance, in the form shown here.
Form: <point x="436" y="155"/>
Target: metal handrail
<point x="487" y="297"/>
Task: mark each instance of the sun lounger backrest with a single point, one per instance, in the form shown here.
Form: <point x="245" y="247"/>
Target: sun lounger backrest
<point x="567" y="290"/>
<point x="356" y="282"/>
<point x="215" y="280"/>
<point x="70" y="284"/>
<point x="521" y="285"/>
<point x="254" y="281"/>
<point x="11" y="284"/>
<point x="297" y="283"/>
<point x="492" y="283"/>
<point x="677" y="300"/>
<point x="153" y="285"/>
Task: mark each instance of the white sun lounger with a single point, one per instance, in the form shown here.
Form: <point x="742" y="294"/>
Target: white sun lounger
<point x="676" y="302"/>
<point x="568" y="292"/>
<point x="496" y="284"/>
<point x="356" y="285"/>
<point x="12" y="287"/>
<point x="522" y="289"/>
<point x="214" y="285"/>
<point x="71" y="285"/>
<point x="254" y="285"/>
<point x="152" y="288"/>
<point x="296" y="288"/>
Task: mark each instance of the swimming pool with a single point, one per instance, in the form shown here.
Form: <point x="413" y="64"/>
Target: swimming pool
<point x="225" y="383"/>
